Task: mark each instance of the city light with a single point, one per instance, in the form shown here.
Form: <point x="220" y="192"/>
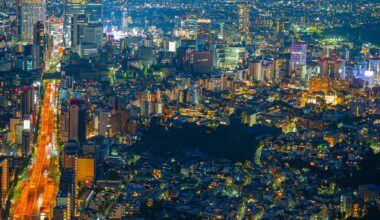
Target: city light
<point x="184" y="109"/>
<point x="368" y="73"/>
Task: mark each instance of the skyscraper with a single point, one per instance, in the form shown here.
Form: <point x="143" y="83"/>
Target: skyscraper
<point x="72" y="7"/>
<point x="330" y="69"/>
<point x="298" y="59"/>
<point x="27" y="100"/>
<point x="374" y="70"/>
<point x="298" y="54"/>
<point x="29" y="12"/>
<point x="243" y="12"/>
<point x="77" y="121"/>
<point x="89" y="12"/>
<point x="39" y="42"/>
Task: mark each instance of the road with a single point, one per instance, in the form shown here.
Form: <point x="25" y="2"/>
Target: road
<point x="39" y="192"/>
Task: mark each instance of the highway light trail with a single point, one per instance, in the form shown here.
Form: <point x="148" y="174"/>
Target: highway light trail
<point x="38" y="196"/>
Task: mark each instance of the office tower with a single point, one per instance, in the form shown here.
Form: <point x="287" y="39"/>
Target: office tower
<point x="124" y="25"/>
<point x="298" y="55"/>
<point x="255" y="70"/>
<point x="146" y="108"/>
<point x="66" y="194"/>
<point x="26" y="141"/>
<point x="219" y="55"/>
<point x="268" y="69"/>
<point x="244" y="24"/>
<point x="89" y="13"/>
<point x="27" y="100"/>
<point x="204" y="29"/>
<point x="193" y="94"/>
<point x="93" y="34"/>
<point x="86" y="37"/>
<point x="71" y="150"/>
<point x="77" y="21"/>
<point x="77" y="121"/>
<point x="64" y="127"/>
<point x="29" y="12"/>
<point x="374" y="70"/>
<point x="330" y="69"/>
<point x="202" y="62"/>
<point x="72" y="7"/>
<point x="103" y="122"/>
<point x="39" y="42"/>
<point x="235" y="56"/>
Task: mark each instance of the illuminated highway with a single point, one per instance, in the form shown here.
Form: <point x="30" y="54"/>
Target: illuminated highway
<point x="38" y="196"/>
<point x="38" y="188"/>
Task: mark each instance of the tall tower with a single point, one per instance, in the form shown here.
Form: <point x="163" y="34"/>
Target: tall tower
<point x="77" y="121"/>
<point x="298" y="54"/>
<point x="298" y="59"/>
<point x="243" y="15"/>
<point x="39" y="42"/>
<point x="124" y="25"/>
<point x="27" y="100"/>
<point x="374" y="70"/>
<point x="29" y="12"/>
<point x="90" y="12"/>
<point x="72" y="7"/>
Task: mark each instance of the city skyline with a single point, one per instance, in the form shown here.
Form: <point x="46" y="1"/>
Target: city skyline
<point x="173" y="109"/>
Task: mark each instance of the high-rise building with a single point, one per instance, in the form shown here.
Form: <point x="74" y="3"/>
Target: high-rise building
<point x="202" y="62"/>
<point x="374" y="71"/>
<point x="104" y="122"/>
<point x="29" y="12"/>
<point x="26" y="141"/>
<point x="77" y="121"/>
<point x="77" y="21"/>
<point x="72" y="7"/>
<point x="88" y="12"/>
<point x="298" y="55"/>
<point x="330" y="69"/>
<point x="235" y="56"/>
<point x="39" y="42"/>
<point x="204" y="29"/>
<point x="244" y="24"/>
<point x="67" y="194"/>
<point x="86" y="37"/>
<point x="27" y="100"/>
<point x="124" y="24"/>
<point x="219" y="55"/>
<point x="71" y="150"/>
<point x="255" y="70"/>
<point x="268" y="69"/>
